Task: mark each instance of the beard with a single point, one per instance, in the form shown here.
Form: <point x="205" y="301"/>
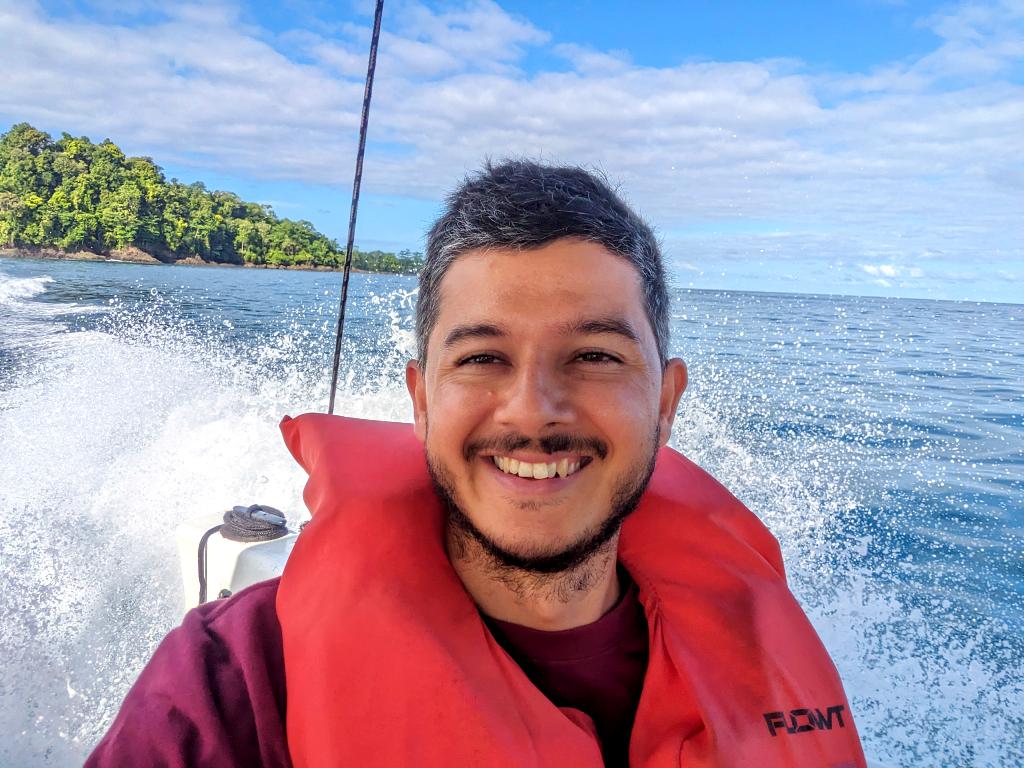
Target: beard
<point x="537" y="560"/>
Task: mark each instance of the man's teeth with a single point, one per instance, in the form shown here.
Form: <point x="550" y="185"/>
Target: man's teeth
<point x="540" y="471"/>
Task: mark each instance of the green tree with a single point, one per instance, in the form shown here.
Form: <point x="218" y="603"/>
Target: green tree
<point x="74" y="194"/>
<point x="119" y="215"/>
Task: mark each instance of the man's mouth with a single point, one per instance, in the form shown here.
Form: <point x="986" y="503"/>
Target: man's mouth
<point x="541" y="470"/>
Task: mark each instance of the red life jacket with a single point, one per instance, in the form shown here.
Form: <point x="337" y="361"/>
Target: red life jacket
<point x="388" y="662"/>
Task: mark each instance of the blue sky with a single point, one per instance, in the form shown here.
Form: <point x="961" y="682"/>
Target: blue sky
<point x="855" y="146"/>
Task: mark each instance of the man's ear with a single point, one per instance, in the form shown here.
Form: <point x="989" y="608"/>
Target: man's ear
<point x="673" y="384"/>
<point x="416" y="383"/>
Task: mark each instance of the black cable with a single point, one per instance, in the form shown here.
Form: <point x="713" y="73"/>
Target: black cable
<point x="367" y="93"/>
<point x="202" y="561"/>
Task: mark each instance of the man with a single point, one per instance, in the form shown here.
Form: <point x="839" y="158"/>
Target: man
<point x="488" y="606"/>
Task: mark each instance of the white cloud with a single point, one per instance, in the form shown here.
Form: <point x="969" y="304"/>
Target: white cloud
<point x="479" y="36"/>
<point x="887" y="270"/>
<point x="978" y="38"/>
<point x="588" y="60"/>
<point x="921" y="158"/>
<point x="892" y="270"/>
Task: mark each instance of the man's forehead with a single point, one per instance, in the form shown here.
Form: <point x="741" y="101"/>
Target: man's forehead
<point x="574" y="267"/>
<point x="567" y="286"/>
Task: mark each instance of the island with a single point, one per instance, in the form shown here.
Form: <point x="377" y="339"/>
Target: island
<point x="71" y="198"/>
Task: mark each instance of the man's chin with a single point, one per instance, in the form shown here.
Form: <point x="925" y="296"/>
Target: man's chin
<point x="540" y="558"/>
<point x="544" y="559"/>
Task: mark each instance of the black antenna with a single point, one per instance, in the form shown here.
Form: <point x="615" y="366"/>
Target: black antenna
<point x="367" y="93"/>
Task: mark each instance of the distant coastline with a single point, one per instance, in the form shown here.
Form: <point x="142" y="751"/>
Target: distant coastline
<point x="72" y="199"/>
<point x="132" y="255"/>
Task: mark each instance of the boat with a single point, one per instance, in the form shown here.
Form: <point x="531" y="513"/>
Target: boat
<point x="222" y="554"/>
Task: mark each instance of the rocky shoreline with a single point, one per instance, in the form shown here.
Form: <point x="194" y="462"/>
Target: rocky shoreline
<point x="134" y="255"/>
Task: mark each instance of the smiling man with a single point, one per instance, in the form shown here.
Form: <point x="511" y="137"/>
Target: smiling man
<point x="527" y="577"/>
<point x="542" y="400"/>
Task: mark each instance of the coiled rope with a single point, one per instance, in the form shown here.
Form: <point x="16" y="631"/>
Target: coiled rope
<point x="256" y="522"/>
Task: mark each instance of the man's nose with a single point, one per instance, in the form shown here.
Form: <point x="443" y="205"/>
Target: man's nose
<point x="536" y="397"/>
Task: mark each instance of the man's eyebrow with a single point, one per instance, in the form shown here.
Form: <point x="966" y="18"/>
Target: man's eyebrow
<point x="589" y="326"/>
<point x="472" y="331"/>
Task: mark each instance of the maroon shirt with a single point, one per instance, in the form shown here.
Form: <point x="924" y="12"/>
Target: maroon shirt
<point x="212" y="695"/>
<point x="214" y="691"/>
<point x="597" y="668"/>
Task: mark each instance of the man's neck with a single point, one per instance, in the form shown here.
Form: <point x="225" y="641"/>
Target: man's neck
<point x="548" y="602"/>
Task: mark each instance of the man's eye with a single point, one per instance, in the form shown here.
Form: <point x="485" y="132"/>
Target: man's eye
<point x="479" y="359"/>
<point x="597" y="357"/>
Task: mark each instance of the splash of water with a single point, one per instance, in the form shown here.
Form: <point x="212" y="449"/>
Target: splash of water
<point x="13" y="289"/>
<point x="115" y="432"/>
<point x="113" y="438"/>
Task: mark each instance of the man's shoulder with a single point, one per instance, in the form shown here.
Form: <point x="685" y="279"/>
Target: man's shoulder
<point x="213" y="691"/>
<point x="247" y="615"/>
<point x="223" y="635"/>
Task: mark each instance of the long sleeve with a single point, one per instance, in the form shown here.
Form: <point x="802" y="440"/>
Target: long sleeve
<point x="213" y="694"/>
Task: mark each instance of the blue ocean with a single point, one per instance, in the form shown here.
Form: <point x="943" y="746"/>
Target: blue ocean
<point x="881" y="440"/>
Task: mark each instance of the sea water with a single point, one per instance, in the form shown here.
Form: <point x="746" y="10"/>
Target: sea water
<point x="881" y="440"/>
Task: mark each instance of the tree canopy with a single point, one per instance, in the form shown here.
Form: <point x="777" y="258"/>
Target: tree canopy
<point x="71" y="194"/>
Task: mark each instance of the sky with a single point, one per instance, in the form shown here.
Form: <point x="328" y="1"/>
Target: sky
<point x="864" y="147"/>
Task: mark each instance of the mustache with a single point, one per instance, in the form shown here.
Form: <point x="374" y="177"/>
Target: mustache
<point x="505" y="444"/>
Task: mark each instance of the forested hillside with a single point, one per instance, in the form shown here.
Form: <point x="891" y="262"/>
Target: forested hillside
<point x="73" y="195"/>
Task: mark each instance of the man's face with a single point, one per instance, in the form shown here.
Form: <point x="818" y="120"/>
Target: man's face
<point x="543" y="399"/>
